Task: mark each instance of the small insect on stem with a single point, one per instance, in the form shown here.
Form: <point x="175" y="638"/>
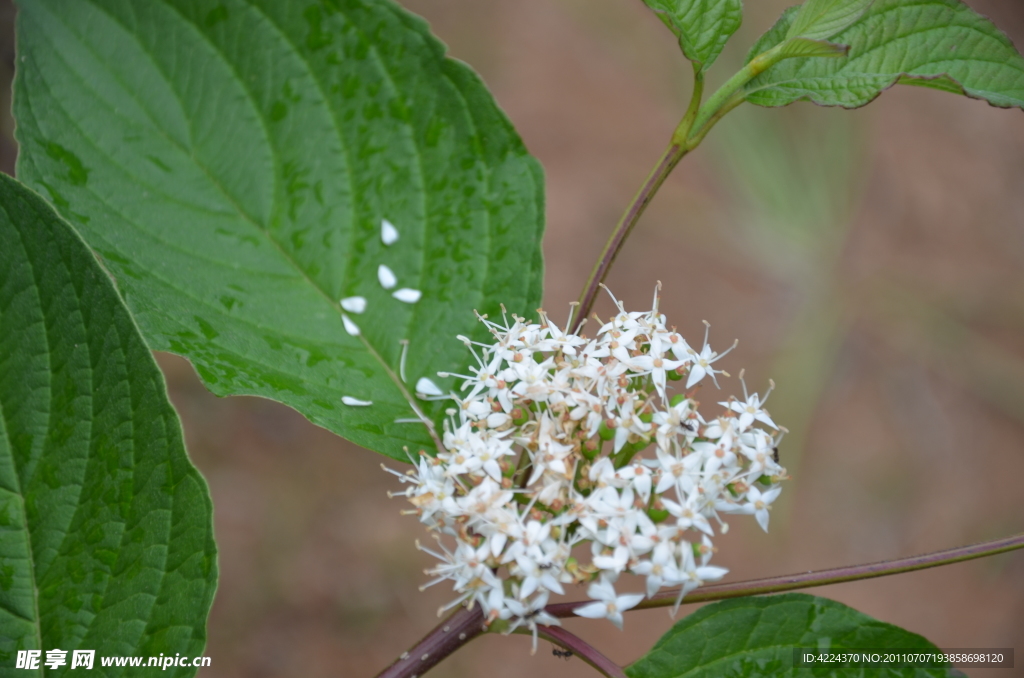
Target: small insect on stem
<point x="564" y="654"/>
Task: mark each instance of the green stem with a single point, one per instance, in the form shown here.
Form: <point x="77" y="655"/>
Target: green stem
<point x="691" y="130"/>
<point x="818" y="578"/>
<point x="736" y="99"/>
<point x="694" y="108"/>
<point x="669" y="159"/>
<point x="727" y="97"/>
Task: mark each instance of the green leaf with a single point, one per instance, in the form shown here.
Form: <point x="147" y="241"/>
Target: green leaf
<point x="805" y="47"/>
<point x="757" y="636"/>
<point x="937" y="43"/>
<point x="232" y="161"/>
<point x="821" y="19"/>
<point x="106" y="535"/>
<point x="701" y="26"/>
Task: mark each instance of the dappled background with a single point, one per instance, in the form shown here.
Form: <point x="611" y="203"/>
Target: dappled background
<point x="870" y="262"/>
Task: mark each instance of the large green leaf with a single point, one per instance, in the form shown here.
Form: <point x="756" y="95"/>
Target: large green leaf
<point x="701" y="26"/>
<point x="757" y="636"/>
<point x="821" y="19"/>
<point x="106" y="541"/>
<point x="232" y="161"/>
<point x="935" y="43"/>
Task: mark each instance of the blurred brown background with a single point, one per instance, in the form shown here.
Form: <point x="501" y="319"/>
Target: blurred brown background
<point x="870" y="262"/>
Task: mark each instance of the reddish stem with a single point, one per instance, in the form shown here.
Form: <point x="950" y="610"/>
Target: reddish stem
<point x="581" y="648"/>
<point x="673" y="154"/>
<point x="805" y="580"/>
<point x="459" y="628"/>
<point x="464" y="624"/>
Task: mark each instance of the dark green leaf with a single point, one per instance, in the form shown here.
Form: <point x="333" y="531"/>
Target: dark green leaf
<point x="938" y="43"/>
<point x="821" y="19"/>
<point x="106" y="537"/>
<point x="232" y="162"/>
<point x="756" y="636"/>
<point x="701" y="26"/>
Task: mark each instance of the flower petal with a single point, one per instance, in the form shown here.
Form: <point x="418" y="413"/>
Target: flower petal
<point x="350" y="326"/>
<point x="595" y="610"/>
<point x="427" y="387"/>
<point x="386" y="277"/>
<point x="409" y="296"/>
<point x="388" y="232"/>
<point x="354" y="304"/>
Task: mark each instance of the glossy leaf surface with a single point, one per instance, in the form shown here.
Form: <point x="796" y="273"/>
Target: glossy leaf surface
<point x="233" y="162"/>
<point x="756" y="636"/>
<point x="106" y="535"/>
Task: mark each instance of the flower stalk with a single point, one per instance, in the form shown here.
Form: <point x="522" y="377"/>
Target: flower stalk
<point x="806" y="580"/>
<point x="696" y="123"/>
<point x="580" y="648"/>
<point x="668" y="161"/>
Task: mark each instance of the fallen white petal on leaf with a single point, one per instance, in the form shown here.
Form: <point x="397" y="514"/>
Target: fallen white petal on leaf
<point x="388" y="232"/>
<point x="354" y="304"/>
<point x="386" y="277"/>
<point x="355" y="402"/>
<point x="407" y="295"/>
<point x="350" y="326"/>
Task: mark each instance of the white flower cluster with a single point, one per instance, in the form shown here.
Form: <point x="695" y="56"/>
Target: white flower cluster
<point x="558" y="440"/>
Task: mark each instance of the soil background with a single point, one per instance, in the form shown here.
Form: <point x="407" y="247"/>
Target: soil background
<point x="871" y="262"/>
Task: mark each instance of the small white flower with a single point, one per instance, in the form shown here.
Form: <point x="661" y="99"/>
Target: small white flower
<point x="750" y="411"/>
<point x="702" y="361"/>
<point x="694" y="575"/>
<point x="530" y="615"/>
<point x="386" y="277"/>
<point x="535" y="575"/>
<point x="758" y="503"/>
<point x="687" y="515"/>
<point x="640" y="476"/>
<point x="683" y="473"/>
<point x="354" y="304"/>
<point x="661" y="569"/>
<point x="608" y="604"/>
<point x="656" y="365"/>
<point x="407" y="295"/>
<point x="388" y="232"/>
